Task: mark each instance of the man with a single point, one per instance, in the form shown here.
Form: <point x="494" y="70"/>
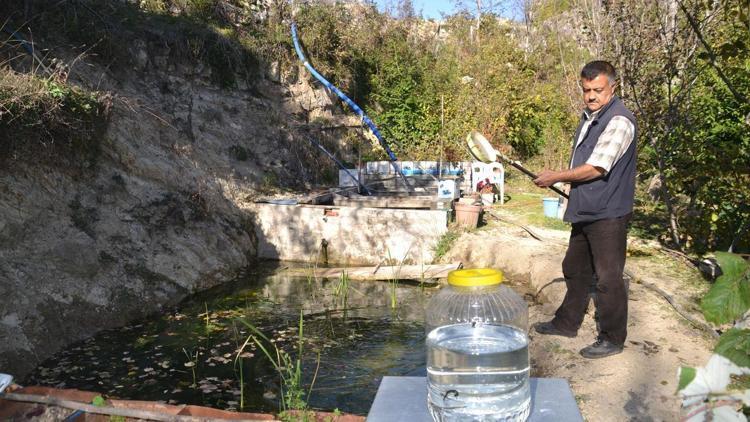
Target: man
<point x="602" y="186"/>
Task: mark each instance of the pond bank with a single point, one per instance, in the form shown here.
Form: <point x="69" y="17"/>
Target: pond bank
<point x="50" y="404"/>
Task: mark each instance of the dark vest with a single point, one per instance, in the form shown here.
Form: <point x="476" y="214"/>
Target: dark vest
<point x="610" y="196"/>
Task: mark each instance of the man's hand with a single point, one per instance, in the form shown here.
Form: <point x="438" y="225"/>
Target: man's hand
<point x="546" y="178"/>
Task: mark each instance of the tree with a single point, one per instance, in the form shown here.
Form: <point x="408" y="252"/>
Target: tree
<point x="669" y="74"/>
<point x="480" y="8"/>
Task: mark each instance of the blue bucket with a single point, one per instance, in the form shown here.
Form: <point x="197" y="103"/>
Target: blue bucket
<point x="550" y="207"/>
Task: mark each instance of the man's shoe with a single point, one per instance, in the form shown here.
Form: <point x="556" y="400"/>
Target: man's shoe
<point x="548" y="329"/>
<point x="601" y="349"/>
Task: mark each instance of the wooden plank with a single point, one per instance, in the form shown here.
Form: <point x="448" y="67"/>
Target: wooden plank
<point x="402" y="272"/>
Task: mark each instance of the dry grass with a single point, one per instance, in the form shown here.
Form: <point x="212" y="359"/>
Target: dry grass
<point x="45" y="118"/>
<point x="186" y="33"/>
<point x="19" y="94"/>
<point x="42" y="117"/>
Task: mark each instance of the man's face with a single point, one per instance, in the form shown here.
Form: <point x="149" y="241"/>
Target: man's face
<point x="597" y="92"/>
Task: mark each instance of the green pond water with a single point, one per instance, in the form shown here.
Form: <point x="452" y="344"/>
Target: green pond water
<point x="189" y="355"/>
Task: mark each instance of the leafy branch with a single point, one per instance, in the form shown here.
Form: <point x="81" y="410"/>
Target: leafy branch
<point x="708" y="392"/>
<point x="711" y="54"/>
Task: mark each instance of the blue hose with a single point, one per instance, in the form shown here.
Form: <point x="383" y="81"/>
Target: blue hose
<point x="350" y="103"/>
<point x="74" y="416"/>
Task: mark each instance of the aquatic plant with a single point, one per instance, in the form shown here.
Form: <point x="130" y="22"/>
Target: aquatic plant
<point x="239" y="361"/>
<point x="341" y="291"/>
<point x="288" y="368"/>
<point x="310" y="276"/>
<point x="239" y="367"/>
<point x="210" y="326"/>
<point x="394" y="287"/>
<point x="421" y="277"/>
<point x="191" y="363"/>
<point x="208" y="320"/>
<point x="396" y="276"/>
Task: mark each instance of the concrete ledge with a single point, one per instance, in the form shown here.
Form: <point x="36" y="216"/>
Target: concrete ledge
<point x="352" y="236"/>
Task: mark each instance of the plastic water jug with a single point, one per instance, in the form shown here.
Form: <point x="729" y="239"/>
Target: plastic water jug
<point x="477" y="350"/>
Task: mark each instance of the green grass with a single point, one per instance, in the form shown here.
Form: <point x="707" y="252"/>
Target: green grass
<point x="547" y="222"/>
<point x="526" y="208"/>
<point x="445" y="242"/>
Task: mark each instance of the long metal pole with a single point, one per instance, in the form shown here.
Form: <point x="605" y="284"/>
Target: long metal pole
<point x="340" y="164"/>
<point x="529" y="173"/>
<point x="442" y="125"/>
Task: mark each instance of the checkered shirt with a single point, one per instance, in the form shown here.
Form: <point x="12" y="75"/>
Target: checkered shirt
<point x="612" y="143"/>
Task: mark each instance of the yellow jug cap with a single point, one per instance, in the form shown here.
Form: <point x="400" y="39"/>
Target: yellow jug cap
<point x="475" y="277"/>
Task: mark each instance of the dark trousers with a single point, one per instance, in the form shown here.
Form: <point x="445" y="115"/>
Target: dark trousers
<point x="596" y="255"/>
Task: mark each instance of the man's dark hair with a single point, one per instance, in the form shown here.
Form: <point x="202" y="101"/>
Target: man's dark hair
<point x="598" y="67"/>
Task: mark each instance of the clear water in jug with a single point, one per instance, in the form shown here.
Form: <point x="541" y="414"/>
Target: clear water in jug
<point x="477" y="350"/>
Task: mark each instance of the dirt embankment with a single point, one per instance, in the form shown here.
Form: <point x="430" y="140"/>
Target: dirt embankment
<point x="640" y="383"/>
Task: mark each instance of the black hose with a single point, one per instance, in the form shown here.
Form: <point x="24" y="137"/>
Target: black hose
<point x="339" y="163"/>
<point x="26" y="45"/>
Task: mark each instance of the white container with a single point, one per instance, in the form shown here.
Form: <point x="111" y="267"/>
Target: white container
<point x="448" y="189"/>
<point x="479" y="172"/>
<point x="493" y="172"/>
<point x="477" y="350"/>
<point x="487" y="199"/>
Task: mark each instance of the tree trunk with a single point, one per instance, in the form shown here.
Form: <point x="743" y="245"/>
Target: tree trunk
<point x="667" y="196"/>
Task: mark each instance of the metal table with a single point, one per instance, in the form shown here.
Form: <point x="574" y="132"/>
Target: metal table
<point x="404" y="399"/>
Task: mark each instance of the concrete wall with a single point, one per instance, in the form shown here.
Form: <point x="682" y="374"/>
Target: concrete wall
<point x="355" y="236"/>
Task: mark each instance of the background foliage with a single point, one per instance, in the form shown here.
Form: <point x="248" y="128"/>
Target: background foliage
<point x="684" y="70"/>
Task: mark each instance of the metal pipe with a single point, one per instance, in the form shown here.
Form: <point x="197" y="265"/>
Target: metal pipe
<point x="340" y="164"/>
